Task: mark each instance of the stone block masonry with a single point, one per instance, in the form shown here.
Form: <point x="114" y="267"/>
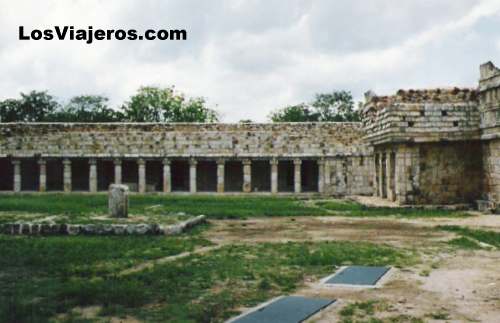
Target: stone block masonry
<point x="430" y="146"/>
<point x="325" y="158"/>
<point x="438" y="146"/>
<point x="100" y="229"/>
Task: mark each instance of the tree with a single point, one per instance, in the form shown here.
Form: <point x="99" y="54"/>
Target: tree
<point x="335" y="106"/>
<point x="35" y="106"/>
<point x="294" y="113"/>
<point x="87" y="108"/>
<point x="153" y="104"/>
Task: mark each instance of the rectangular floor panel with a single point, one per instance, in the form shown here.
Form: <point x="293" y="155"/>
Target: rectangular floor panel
<point x="288" y="309"/>
<point x="358" y="275"/>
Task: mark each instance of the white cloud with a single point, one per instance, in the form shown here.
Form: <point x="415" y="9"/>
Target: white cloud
<point x="249" y="57"/>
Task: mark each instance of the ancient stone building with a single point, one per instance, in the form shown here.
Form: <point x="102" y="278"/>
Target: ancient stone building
<point x="328" y="158"/>
<point x="437" y="146"/>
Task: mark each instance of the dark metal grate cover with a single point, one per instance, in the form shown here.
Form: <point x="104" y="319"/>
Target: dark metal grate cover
<point x="359" y="275"/>
<point x="289" y="309"/>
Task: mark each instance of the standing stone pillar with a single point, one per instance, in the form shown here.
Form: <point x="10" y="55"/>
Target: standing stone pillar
<point x="118" y="200"/>
<point x="67" y="175"/>
<point x="375" y="175"/>
<point x="42" y="183"/>
<point x="274" y="175"/>
<point x="192" y="175"/>
<point x="141" y="163"/>
<point x="220" y="175"/>
<point x="118" y="171"/>
<point x="167" y="179"/>
<point x="247" y="175"/>
<point x="327" y="176"/>
<point x="297" y="176"/>
<point x="390" y="178"/>
<point x="321" y="175"/>
<point x="17" y="175"/>
<point x="381" y="175"/>
<point x="93" y="175"/>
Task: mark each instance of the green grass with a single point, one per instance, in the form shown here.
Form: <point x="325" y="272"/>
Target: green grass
<point x="41" y="277"/>
<point x="212" y="206"/>
<point x="490" y="237"/>
<point x="78" y="207"/>
<point x="355" y="209"/>
<point x="36" y="272"/>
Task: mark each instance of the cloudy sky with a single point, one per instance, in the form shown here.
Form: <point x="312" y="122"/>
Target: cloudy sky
<point x="250" y="57"/>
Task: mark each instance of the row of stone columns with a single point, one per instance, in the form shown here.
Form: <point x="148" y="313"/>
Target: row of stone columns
<point x="323" y="168"/>
<point x="384" y="179"/>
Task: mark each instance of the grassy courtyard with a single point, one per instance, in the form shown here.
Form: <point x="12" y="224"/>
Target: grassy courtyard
<point x="98" y="279"/>
<point x="44" y="277"/>
<point x="218" y="207"/>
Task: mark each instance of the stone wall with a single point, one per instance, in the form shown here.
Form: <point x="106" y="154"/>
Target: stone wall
<point x="422" y="116"/>
<point x="449" y="173"/>
<point x="349" y="175"/>
<point x="489" y="89"/>
<point x="491" y="160"/>
<point x="181" y="140"/>
<point x="426" y="143"/>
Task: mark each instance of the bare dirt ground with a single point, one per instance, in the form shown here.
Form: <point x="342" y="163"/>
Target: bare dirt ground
<point x="462" y="284"/>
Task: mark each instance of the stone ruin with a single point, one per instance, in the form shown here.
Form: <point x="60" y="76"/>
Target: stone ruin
<point x="118" y="200"/>
<point x="435" y="146"/>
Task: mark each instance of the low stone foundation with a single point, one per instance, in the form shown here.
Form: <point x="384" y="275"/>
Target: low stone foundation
<point x="99" y="229"/>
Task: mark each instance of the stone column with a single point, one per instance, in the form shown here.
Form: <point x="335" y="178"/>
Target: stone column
<point x="192" y="175"/>
<point x="247" y="175"/>
<point x="381" y="175"/>
<point x="388" y="174"/>
<point x="142" y="175"/>
<point x="297" y="178"/>
<point x="93" y="175"/>
<point x="167" y="179"/>
<point x="220" y="175"/>
<point x="321" y="175"/>
<point x="67" y="175"/>
<point x="274" y="175"/>
<point x="118" y="171"/>
<point x="327" y="181"/>
<point x="375" y="175"/>
<point x="42" y="183"/>
<point x="17" y="175"/>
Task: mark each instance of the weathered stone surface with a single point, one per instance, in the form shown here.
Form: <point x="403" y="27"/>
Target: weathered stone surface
<point x="118" y="201"/>
<point x="180" y="139"/>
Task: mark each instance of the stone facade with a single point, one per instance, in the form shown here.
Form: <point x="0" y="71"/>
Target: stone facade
<point x="438" y="146"/>
<point x="435" y="146"/>
<point x="489" y="89"/>
<point x="330" y="157"/>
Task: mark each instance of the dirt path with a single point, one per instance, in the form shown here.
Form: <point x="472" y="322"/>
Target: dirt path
<point x="465" y="288"/>
<point x="463" y="285"/>
<point x="159" y="261"/>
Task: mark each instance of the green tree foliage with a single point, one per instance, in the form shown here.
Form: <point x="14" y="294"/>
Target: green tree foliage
<point x="87" y="108"/>
<point x="153" y="104"/>
<point x="294" y="113"/>
<point x="35" y="106"/>
<point x="336" y="106"/>
<point x="150" y="104"/>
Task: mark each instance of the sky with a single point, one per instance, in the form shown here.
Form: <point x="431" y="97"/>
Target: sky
<point x="247" y="58"/>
